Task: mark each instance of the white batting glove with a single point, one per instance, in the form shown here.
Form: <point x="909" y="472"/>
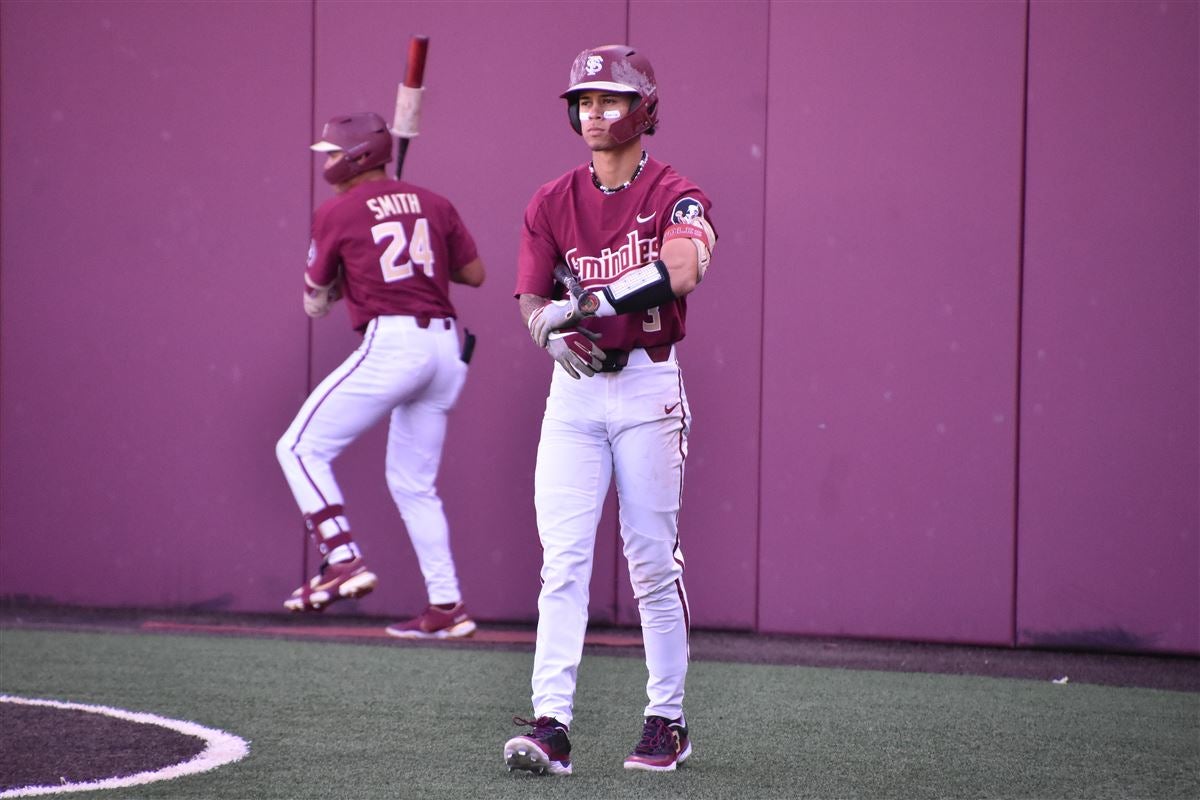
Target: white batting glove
<point x="576" y="351"/>
<point x="554" y="316"/>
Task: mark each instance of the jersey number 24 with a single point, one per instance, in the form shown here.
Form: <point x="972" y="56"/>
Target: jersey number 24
<point x="417" y="250"/>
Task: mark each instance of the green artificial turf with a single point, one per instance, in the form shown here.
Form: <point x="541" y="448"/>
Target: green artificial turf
<point x="328" y="720"/>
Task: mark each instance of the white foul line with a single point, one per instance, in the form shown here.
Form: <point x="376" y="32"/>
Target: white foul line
<point x="220" y="748"/>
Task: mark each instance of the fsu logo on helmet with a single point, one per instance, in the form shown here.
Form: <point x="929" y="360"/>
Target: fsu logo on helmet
<point x="615" y="68"/>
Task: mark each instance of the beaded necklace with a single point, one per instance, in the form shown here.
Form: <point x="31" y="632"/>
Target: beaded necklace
<point x="596" y="181"/>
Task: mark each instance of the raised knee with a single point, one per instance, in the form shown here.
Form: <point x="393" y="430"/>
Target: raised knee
<point x="283" y="449"/>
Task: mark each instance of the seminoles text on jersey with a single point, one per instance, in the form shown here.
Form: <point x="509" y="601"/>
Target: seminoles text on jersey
<point x="606" y="266"/>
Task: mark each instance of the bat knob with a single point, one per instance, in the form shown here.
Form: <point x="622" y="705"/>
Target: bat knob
<point x="588" y="303"/>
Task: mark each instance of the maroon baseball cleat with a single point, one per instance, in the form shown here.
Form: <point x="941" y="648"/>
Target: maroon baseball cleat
<point x="664" y="744"/>
<point x="434" y="623"/>
<point x="334" y="582"/>
<point x="545" y="749"/>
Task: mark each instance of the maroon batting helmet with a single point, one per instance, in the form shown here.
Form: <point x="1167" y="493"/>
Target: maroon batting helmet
<point x="616" y="68"/>
<point x="358" y="135"/>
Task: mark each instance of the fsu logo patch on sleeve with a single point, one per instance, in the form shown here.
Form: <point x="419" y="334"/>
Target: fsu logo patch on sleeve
<point x="687" y="221"/>
<point x="687" y="212"/>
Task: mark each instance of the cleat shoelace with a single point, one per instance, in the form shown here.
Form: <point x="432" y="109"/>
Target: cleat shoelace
<point x="657" y="737"/>
<point x="543" y="727"/>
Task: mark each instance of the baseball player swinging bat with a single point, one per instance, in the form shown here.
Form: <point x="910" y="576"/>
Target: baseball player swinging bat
<point x="406" y="124"/>
<point x="587" y="301"/>
<point x="407" y="121"/>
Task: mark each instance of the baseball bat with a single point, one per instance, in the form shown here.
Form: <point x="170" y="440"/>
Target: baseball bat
<point x="587" y="301"/>
<point x="406" y="122"/>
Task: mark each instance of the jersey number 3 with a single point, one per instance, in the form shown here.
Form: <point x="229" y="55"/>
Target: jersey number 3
<point x="399" y="247"/>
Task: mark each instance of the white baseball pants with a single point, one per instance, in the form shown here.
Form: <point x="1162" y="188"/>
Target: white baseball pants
<point x="415" y="374"/>
<point x="633" y="423"/>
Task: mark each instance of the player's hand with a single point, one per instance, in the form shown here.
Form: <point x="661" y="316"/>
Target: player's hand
<point x="317" y="302"/>
<point x="554" y="316"/>
<point x="576" y="351"/>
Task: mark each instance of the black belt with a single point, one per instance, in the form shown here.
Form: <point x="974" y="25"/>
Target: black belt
<point x="615" y="360"/>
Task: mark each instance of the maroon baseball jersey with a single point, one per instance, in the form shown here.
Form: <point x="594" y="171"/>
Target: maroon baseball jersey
<point x="396" y="246"/>
<point x="602" y="236"/>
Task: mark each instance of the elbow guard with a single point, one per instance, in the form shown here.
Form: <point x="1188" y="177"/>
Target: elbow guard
<point x="636" y="290"/>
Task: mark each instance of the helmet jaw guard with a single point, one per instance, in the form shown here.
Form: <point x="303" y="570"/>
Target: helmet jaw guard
<point x="362" y="136"/>
<point x="621" y="69"/>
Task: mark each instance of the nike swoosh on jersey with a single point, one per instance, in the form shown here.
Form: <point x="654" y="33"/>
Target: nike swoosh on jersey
<point x="646" y="218"/>
<point x="668" y="409"/>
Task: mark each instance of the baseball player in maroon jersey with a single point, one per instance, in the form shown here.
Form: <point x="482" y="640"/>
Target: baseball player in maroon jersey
<point x="391" y="250"/>
<point x="636" y="233"/>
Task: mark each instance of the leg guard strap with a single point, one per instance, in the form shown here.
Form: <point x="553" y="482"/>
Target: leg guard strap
<point x="327" y="546"/>
<point x="313" y="521"/>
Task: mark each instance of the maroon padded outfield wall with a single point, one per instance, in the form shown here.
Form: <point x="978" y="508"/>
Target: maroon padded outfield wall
<point x="1109" y="554"/>
<point x="890" y="320"/>
<point x="944" y="371"/>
